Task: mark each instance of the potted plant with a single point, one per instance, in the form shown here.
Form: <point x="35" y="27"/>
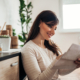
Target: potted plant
<point x="14" y="33"/>
<point x="14" y="40"/>
<point x="5" y="40"/>
<point x="25" y="12"/>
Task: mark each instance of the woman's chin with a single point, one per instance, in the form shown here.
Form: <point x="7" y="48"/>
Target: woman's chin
<point x="47" y="39"/>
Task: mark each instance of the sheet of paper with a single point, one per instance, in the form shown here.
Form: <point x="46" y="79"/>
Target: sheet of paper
<point x="68" y="58"/>
<point x="73" y="52"/>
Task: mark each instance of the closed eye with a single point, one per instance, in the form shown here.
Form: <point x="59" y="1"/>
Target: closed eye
<point x="49" y="25"/>
<point x="55" y="28"/>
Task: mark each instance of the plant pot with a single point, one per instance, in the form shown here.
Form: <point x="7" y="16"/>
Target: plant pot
<point x="5" y="32"/>
<point x="6" y="43"/>
<point x="14" y="42"/>
<point x="9" y="27"/>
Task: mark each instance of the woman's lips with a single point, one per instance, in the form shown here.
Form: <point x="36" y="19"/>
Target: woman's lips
<point x="49" y="35"/>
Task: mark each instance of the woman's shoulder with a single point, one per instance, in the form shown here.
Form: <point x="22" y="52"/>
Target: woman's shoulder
<point x="29" y="49"/>
<point x="28" y="46"/>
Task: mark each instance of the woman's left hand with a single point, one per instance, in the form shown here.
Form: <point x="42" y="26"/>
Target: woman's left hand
<point x="58" y="57"/>
<point x="77" y="62"/>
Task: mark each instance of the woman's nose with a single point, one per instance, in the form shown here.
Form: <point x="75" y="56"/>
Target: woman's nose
<point x="53" y="31"/>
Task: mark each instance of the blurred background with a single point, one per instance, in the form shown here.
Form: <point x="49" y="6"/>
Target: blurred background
<point x="68" y="31"/>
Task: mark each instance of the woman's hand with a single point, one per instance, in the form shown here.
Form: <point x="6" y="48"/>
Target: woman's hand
<point x="58" y="57"/>
<point x="77" y="62"/>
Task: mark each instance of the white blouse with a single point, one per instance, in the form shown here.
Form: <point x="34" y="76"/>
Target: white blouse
<point x="37" y="62"/>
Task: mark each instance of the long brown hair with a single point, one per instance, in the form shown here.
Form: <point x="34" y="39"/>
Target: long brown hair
<point x="45" y="16"/>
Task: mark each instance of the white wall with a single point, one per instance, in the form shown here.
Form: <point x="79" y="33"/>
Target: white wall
<point x="64" y="40"/>
<point x="2" y="13"/>
<point x="9" y="13"/>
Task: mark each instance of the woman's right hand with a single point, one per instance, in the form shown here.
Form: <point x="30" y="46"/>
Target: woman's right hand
<point x="58" y="57"/>
<point x="77" y="62"/>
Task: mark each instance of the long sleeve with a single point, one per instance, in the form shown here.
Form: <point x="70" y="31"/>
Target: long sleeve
<point x="32" y="68"/>
<point x="64" y="66"/>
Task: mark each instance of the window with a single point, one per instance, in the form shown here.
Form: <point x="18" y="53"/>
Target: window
<point x="70" y="15"/>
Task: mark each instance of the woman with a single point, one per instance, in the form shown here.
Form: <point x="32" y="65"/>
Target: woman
<point x="40" y="53"/>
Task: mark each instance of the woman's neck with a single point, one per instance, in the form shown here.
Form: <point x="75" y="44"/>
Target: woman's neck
<point x="39" y="41"/>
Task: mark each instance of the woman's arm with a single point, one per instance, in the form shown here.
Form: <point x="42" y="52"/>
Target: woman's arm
<point x="32" y="68"/>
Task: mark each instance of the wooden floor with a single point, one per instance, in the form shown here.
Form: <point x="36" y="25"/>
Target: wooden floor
<point x="75" y="75"/>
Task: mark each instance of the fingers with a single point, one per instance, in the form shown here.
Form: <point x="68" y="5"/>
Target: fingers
<point x="78" y="59"/>
<point x="78" y="66"/>
<point x="77" y="62"/>
<point x="58" y="57"/>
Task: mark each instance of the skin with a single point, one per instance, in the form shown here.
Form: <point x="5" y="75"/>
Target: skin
<point x="42" y="36"/>
<point x="44" y="29"/>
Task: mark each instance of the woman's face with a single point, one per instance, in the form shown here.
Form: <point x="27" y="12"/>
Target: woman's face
<point x="46" y="31"/>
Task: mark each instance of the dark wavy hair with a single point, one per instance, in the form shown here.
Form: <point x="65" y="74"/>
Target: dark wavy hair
<point x="44" y="16"/>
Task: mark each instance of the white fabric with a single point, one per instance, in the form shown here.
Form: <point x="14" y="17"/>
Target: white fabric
<point x="38" y="62"/>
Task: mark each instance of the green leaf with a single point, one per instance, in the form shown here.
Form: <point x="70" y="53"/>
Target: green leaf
<point x="28" y="20"/>
<point x="29" y="11"/>
<point x="24" y="35"/>
<point x="28" y="16"/>
<point x="20" y="38"/>
<point x="24" y="19"/>
<point x="14" y="34"/>
<point x="29" y="5"/>
<point x="21" y="45"/>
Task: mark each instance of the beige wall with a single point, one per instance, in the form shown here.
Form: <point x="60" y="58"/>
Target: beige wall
<point x="64" y="40"/>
